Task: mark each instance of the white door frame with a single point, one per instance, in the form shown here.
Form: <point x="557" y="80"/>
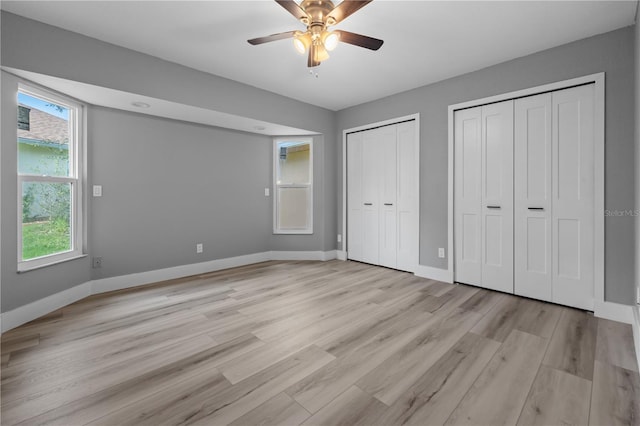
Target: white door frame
<point x="599" y="138"/>
<point x="342" y="254"/>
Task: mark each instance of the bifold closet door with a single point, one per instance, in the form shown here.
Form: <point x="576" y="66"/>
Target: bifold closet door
<point x="407" y="196"/>
<point x="371" y="186"/>
<point x="387" y="188"/>
<point x="382" y="196"/>
<point x="468" y="195"/>
<point x="497" y="196"/>
<point x="572" y="177"/>
<point x="372" y="164"/>
<point x="483" y="204"/>
<point x="554" y="190"/>
<point x="532" y="220"/>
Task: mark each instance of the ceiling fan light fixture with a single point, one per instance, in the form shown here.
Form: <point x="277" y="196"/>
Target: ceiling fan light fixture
<point x="318" y="16"/>
<point x="321" y="53"/>
<point x="302" y="42"/>
<point x="330" y="40"/>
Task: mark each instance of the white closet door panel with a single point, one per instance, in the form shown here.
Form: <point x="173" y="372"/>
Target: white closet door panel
<point x="573" y="197"/>
<point x="372" y="166"/>
<point x="354" y="197"/>
<point x="388" y="188"/>
<point x="497" y="196"/>
<point x="468" y="195"/>
<point x="532" y="204"/>
<point x="407" y="196"/>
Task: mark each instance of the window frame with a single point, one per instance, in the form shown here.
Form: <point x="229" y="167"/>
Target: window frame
<point x="276" y="186"/>
<point x="76" y="178"/>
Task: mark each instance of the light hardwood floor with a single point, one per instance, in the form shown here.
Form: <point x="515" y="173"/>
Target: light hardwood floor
<point x="317" y="343"/>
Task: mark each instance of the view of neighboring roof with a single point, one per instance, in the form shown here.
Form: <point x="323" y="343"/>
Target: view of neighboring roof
<point x="45" y="128"/>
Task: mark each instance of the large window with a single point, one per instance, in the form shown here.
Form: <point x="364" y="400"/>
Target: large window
<point x="293" y="200"/>
<point x="49" y="178"/>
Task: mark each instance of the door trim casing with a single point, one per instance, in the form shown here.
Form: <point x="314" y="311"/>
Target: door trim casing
<point x="599" y="139"/>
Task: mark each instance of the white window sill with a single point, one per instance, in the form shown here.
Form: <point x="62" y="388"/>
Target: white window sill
<point x="279" y="232"/>
<point x="26" y="268"/>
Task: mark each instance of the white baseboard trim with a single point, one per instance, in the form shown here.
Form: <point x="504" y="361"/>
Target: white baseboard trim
<point x="432" y="273"/>
<point x="33" y="310"/>
<point x="133" y="280"/>
<point x="341" y="255"/>
<point x="303" y="255"/>
<point x="614" y="312"/>
<point x="635" y="325"/>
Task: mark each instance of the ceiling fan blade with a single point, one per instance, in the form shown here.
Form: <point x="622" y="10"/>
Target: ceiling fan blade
<point x="272" y="37"/>
<point x="360" y="40"/>
<point x="312" y="61"/>
<point x="345" y="9"/>
<point x="293" y="8"/>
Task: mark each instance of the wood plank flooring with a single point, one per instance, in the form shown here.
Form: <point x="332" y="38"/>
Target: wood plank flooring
<point x="317" y="343"/>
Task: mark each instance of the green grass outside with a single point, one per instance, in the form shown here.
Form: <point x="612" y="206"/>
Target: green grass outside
<point x="43" y="238"/>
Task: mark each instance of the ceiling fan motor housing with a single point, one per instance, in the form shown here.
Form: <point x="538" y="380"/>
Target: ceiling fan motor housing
<point x="318" y="11"/>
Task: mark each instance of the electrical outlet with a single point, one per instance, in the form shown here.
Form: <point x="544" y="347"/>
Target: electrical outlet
<point x="199" y="248"/>
<point x="339" y="238"/>
<point x="441" y="252"/>
<point x="97" y="262"/>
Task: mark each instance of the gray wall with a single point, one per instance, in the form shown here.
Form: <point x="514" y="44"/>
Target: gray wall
<point x="612" y="53"/>
<point x="134" y="236"/>
<point x="168" y="185"/>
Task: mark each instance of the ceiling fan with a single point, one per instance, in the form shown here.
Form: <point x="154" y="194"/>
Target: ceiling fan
<point x="318" y="16"/>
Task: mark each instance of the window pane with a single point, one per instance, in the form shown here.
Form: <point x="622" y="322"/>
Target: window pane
<point x="46" y="219"/>
<point x="293" y="163"/>
<point x="293" y="208"/>
<point x="43" y="137"/>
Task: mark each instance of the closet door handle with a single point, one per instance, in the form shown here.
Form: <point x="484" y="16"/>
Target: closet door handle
<point x="493" y="207"/>
<point x="536" y="208"/>
<point x="388" y="204"/>
<point x="368" y="204"/>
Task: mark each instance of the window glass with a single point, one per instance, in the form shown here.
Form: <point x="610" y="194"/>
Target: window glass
<point x="43" y="137"/>
<point x="293" y="163"/>
<point x="46" y="219"/>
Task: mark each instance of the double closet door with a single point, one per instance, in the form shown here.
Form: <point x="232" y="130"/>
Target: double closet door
<point x="382" y="196"/>
<point x="524" y="196"/>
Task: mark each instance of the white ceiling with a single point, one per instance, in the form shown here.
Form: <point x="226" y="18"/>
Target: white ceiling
<point x="425" y="41"/>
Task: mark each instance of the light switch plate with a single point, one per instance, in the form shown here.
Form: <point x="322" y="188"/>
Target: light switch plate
<point x="97" y="190"/>
<point x="266" y="192"/>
